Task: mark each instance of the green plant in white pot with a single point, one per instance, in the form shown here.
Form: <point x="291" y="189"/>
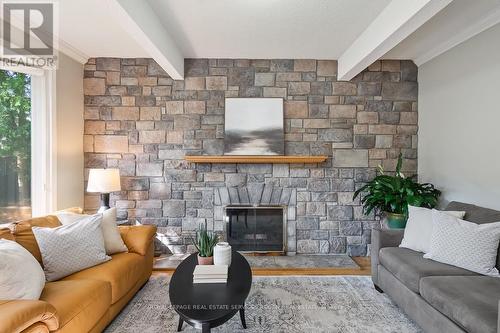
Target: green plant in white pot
<point x="391" y="195"/>
<point x="205" y="242"/>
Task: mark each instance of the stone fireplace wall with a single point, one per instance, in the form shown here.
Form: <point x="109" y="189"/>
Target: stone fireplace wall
<point x="141" y="121"/>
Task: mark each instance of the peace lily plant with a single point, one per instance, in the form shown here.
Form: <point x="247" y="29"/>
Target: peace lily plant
<point x="391" y="195"/>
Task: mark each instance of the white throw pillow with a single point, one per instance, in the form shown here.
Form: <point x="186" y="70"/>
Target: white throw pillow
<point x="21" y="276"/>
<point x="465" y="244"/>
<point x="70" y="248"/>
<point x="418" y="229"/>
<point x="112" y="239"/>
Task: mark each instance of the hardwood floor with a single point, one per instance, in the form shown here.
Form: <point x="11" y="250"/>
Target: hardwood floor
<point x="363" y="262"/>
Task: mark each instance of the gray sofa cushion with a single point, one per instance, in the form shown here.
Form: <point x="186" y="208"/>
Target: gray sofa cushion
<point x="470" y="301"/>
<point x="409" y="266"/>
<point x="477" y="215"/>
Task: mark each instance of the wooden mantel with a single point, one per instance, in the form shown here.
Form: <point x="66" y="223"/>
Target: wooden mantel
<point x="271" y="159"/>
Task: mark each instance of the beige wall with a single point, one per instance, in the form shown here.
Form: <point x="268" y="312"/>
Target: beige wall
<point x="459" y="120"/>
<point x="69" y="132"/>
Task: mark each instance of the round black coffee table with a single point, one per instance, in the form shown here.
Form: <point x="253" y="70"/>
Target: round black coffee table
<point x="205" y="306"/>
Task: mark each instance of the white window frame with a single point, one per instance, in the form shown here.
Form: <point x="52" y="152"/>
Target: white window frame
<point x="43" y="138"/>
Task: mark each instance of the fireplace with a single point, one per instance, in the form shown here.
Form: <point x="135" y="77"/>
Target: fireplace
<point x="256" y="228"/>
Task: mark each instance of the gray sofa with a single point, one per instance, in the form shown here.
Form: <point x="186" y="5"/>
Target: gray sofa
<point x="438" y="297"/>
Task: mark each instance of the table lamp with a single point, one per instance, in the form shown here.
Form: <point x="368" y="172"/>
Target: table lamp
<point x="104" y="181"/>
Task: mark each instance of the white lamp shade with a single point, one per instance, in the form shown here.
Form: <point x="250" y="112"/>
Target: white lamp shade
<point x="104" y="180"/>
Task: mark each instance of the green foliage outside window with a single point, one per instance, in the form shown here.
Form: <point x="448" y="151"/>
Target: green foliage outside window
<point x="15" y="126"/>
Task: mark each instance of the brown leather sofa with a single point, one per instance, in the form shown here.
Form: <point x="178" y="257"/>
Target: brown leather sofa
<point x="86" y="301"/>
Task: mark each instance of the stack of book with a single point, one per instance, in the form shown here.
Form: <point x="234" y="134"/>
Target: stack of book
<point x="210" y="274"/>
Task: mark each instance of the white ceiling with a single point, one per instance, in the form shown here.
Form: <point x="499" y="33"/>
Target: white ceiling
<point x="319" y="29"/>
<point x="300" y="29"/>
<point x="88" y="27"/>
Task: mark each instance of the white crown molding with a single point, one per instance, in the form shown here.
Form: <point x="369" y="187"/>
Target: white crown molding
<point x="72" y="52"/>
<point x="479" y="26"/>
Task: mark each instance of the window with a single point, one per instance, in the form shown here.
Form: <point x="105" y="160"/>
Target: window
<point x="15" y="146"/>
<point x="27" y="170"/>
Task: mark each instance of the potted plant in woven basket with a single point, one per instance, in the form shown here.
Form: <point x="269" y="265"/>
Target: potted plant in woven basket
<point x="205" y="242"/>
<point x="391" y="195"/>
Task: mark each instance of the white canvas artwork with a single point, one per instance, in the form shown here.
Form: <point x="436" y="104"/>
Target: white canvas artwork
<point x="254" y="126"/>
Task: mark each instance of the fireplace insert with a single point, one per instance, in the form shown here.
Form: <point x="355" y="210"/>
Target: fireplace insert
<point x="256" y="228"/>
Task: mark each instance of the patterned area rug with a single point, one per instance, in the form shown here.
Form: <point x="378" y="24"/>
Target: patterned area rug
<point x="297" y="261"/>
<point x="346" y="304"/>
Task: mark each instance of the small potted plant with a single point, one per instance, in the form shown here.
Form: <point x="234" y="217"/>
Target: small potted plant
<point x="205" y="242"/>
<point x="391" y="195"/>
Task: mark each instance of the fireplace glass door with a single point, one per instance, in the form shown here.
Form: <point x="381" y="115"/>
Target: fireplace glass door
<point x="255" y="229"/>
